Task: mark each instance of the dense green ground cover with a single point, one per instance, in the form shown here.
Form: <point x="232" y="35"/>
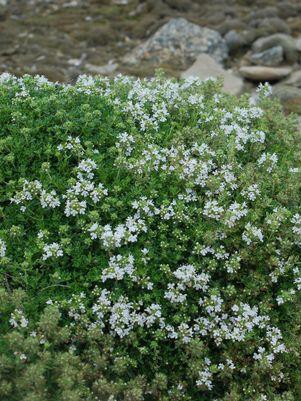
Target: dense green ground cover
<point x="149" y="243"/>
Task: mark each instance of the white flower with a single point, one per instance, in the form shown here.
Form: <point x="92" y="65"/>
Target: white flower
<point x="154" y="314"/>
<point x="23" y="357"/>
<point x="235" y="212"/>
<point x="119" y="266"/>
<point x="296" y="220"/>
<point x="252" y="192"/>
<point x="280" y="300"/>
<point x="188" y="276"/>
<point x="49" y="199"/>
<point x="251" y="234"/>
<point x="264" y="89"/>
<point x="93" y="230"/>
<point x="53" y="250"/>
<point x="86" y="166"/>
<point x="2" y="248"/>
<point x="212" y="209"/>
<point x="17" y="319"/>
<point x="270" y="160"/>
<point x="174" y="294"/>
<point x="294" y="170"/>
<point x="205" y="378"/>
<point x="75" y="207"/>
<point x="122" y="318"/>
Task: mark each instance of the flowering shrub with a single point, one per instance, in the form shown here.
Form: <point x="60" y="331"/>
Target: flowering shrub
<point x="149" y="242"/>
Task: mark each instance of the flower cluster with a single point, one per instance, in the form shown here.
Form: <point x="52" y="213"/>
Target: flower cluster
<point x="119" y="266"/>
<point x="17" y="319"/>
<point x="252" y="234"/>
<point x="53" y="250"/>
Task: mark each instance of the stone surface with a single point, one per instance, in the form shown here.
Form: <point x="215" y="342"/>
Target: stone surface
<point x="286" y="92"/>
<point x="231" y="24"/>
<point x="290" y="50"/>
<point x="298" y="43"/>
<point x="262" y="73"/>
<point x="205" y="67"/>
<point x="179" y="39"/>
<point x="294" y="79"/>
<point x="233" y="40"/>
<point x="269" y="57"/>
<point x="289" y="96"/>
<point x="121" y="2"/>
<point x="236" y="40"/>
<point x="269" y="26"/>
<point x="267" y="12"/>
<point x="102" y="69"/>
<point x="287" y="9"/>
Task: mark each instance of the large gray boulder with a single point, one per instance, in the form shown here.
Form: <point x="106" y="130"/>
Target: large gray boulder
<point x="290" y="49"/>
<point x="205" y="67"/>
<point x="182" y="40"/>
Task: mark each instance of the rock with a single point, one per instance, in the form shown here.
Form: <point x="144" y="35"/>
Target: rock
<point x="243" y="38"/>
<point x="262" y="73"/>
<point x="289" y="96"/>
<point x="121" y="2"/>
<point x="231" y="24"/>
<point x="248" y="36"/>
<point x="298" y="43"/>
<point x="288" y="44"/>
<point x="3" y="3"/>
<point x="294" y="79"/>
<point x="77" y="62"/>
<point x="103" y="69"/>
<point x="182" y="40"/>
<point x="138" y="10"/>
<point x="70" y="4"/>
<point x="205" y="66"/>
<point x="233" y="40"/>
<point x="287" y="9"/>
<point x="268" y="26"/>
<point x="216" y="17"/>
<point x="269" y="57"/>
<point x="180" y="5"/>
<point x="267" y="12"/>
<point x="286" y="92"/>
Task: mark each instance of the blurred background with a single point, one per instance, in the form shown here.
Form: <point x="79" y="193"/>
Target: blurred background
<point x="245" y="41"/>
